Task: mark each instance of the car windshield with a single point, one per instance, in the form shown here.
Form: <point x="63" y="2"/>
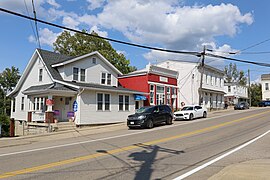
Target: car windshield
<point x="187" y="108"/>
<point x="144" y="110"/>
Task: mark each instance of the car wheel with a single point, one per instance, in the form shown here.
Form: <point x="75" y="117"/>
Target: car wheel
<point x="204" y="114"/>
<point x="169" y="120"/>
<point x="191" y="116"/>
<point x="150" y="124"/>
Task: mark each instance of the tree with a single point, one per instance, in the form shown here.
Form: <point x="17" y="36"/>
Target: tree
<point x="232" y="75"/>
<point x="8" y="80"/>
<point x="256" y="94"/>
<point x="80" y="44"/>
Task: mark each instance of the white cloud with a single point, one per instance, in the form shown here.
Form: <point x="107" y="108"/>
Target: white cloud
<point x="70" y="22"/>
<point x="46" y="37"/>
<point x="95" y="4"/>
<point x="100" y="33"/>
<point x="171" y="26"/>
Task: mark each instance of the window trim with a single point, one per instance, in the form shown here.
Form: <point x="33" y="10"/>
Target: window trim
<point x="82" y="75"/>
<point x="106" y="79"/>
<point x="22" y="103"/>
<point x="73" y="73"/>
<point x="104" y="102"/>
<point x="266" y="86"/>
<point x="40" y="75"/>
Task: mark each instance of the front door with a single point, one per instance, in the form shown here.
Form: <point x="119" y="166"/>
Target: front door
<point x="66" y="108"/>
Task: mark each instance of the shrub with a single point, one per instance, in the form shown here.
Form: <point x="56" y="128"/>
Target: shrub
<point x="4" y="121"/>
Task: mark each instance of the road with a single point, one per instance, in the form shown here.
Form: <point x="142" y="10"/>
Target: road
<point x="165" y="152"/>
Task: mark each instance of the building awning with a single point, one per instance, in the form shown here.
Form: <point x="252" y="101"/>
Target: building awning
<point x="138" y="97"/>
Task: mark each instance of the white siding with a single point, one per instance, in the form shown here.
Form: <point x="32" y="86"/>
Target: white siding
<point x="88" y="109"/>
<point x="32" y="79"/>
<point x="93" y="71"/>
<point x="265" y="93"/>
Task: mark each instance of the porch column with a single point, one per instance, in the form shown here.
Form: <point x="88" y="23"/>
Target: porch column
<point x="49" y="113"/>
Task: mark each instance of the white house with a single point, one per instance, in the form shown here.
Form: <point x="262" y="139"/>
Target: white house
<point x="84" y="88"/>
<point x="189" y="78"/>
<point x="265" y="81"/>
<point x="235" y="93"/>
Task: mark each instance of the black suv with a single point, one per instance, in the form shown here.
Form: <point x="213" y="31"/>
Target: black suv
<point x="264" y="103"/>
<point x="148" y="116"/>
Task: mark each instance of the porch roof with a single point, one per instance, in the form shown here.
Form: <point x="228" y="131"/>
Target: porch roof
<point x="49" y="88"/>
<point x="93" y="86"/>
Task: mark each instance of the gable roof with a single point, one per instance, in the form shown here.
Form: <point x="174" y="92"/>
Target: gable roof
<point x="78" y="58"/>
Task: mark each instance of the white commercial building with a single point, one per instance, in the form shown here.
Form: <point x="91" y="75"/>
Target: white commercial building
<point x="189" y="79"/>
<point x="265" y="81"/>
<point x="235" y="93"/>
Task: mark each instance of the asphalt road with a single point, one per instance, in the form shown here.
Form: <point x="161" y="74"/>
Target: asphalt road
<point x="165" y="152"/>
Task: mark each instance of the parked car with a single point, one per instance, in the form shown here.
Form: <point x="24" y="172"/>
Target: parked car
<point x="147" y="117"/>
<point x="264" y="103"/>
<point x="241" y="105"/>
<point x="190" y="112"/>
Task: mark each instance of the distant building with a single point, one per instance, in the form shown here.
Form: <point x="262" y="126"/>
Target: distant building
<point x="160" y="84"/>
<point x="189" y="76"/>
<point x="235" y="93"/>
<point x="265" y="81"/>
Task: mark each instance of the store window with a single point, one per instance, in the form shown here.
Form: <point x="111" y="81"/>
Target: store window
<point x="160" y="95"/>
<point x="152" y="92"/>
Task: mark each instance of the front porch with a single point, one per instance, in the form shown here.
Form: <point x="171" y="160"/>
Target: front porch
<point x="54" y="104"/>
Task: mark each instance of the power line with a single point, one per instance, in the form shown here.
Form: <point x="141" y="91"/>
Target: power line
<point x="108" y="39"/>
<point x="35" y="19"/>
<point x="30" y="20"/>
<point x="254" y="45"/>
<point x="238" y="60"/>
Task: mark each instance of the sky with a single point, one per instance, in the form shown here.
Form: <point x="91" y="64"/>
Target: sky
<point x="188" y="25"/>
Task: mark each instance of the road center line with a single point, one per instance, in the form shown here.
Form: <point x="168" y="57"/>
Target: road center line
<point x="123" y="149"/>
<point x="102" y="139"/>
<point x="220" y="157"/>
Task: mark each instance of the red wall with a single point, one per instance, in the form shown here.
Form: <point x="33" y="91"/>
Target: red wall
<point x="138" y="83"/>
<point x="155" y="78"/>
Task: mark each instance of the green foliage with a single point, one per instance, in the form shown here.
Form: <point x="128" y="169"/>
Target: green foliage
<point x="256" y="94"/>
<point x="8" y="80"/>
<point x="232" y="75"/>
<point x="4" y="121"/>
<point x="80" y="44"/>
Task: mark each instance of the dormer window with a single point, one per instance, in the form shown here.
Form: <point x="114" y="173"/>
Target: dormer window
<point x="83" y="75"/>
<point x="94" y="61"/>
<point x="75" y="74"/>
<point x="109" y="79"/>
<point x="40" y="74"/>
<point x="106" y="78"/>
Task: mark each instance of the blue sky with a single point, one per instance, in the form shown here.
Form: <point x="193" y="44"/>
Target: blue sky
<point x="229" y="25"/>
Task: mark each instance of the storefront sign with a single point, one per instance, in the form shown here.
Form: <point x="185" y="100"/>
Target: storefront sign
<point x="163" y="79"/>
<point x="49" y="102"/>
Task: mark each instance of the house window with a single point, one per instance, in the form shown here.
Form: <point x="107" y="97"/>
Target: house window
<point x="75" y="74"/>
<point x="94" y="61"/>
<point x="266" y="86"/>
<point x="127" y="103"/>
<point x="152" y="94"/>
<point x="99" y="102"/>
<point x="121" y="102"/>
<point x="83" y="75"/>
<point x="106" y="78"/>
<point x="39" y="104"/>
<point x="109" y="79"/>
<point x="103" y="78"/>
<point x="40" y="75"/>
<point x="107" y="102"/>
<point x="229" y="88"/>
<point x="207" y="79"/>
<point x="22" y="104"/>
<point x="103" y="102"/>
<point x="14" y="105"/>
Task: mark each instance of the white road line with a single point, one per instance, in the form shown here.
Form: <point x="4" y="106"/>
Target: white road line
<point x="219" y="158"/>
<point x="107" y="138"/>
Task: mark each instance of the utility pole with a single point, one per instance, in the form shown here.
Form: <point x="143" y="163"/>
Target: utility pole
<point x="202" y="72"/>
<point x="249" y="91"/>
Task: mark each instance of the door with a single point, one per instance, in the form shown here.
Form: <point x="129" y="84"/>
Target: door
<point x="198" y="111"/>
<point x="66" y="108"/>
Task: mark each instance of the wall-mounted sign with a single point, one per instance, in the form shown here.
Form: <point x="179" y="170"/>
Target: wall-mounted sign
<point x="49" y="102"/>
<point x="75" y="106"/>
<point x="163" y="79"/>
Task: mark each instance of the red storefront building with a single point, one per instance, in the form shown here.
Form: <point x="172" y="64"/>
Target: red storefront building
<point x="159" y="83"/>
